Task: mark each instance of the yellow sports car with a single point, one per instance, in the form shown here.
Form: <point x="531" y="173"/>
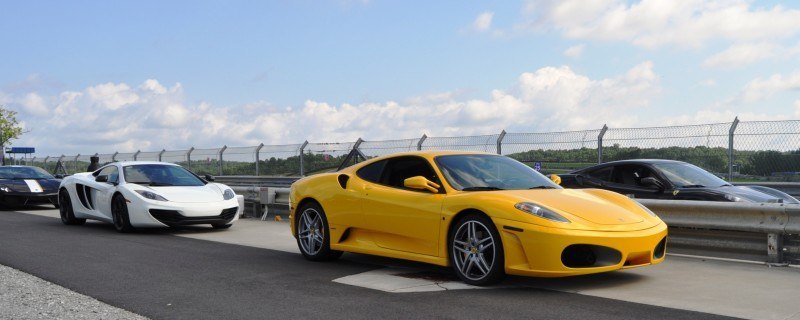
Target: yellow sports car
<point x="483" y="214"/>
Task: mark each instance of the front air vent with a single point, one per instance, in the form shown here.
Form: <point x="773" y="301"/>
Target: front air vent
<point x="660" y="249"/>
<point x="589" y="256"/>
<point x="84" y="195"/>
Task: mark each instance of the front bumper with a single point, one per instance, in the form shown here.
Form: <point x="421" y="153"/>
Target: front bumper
<point x="28" y="198"/>
<point x="144" y="213"/>
<point x="532" y="250"/>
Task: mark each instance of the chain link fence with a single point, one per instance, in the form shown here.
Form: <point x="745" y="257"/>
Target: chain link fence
<point x="744" y="151"/>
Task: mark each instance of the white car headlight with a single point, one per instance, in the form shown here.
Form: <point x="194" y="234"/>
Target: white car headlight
<point x="540" y="212"/>
<point x="151" y="195"/>
<point x="228" y="194"/>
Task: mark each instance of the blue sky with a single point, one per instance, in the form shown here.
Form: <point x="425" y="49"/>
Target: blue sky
<point x="123" y="76"/>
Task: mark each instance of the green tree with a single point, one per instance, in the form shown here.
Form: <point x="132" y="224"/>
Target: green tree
<point x="9" y="129"/>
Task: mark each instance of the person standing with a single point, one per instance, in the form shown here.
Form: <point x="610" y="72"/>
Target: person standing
<point x="94" y="164"/>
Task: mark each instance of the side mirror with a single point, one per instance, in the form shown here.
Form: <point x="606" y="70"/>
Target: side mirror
<point x="103" y="178"/>
<point x="652" y="182"/>
<point x="209" y="178"/>
<point x="555" y="178"/>
<point x="421" y="183"/>
<point x="579" y="180"/>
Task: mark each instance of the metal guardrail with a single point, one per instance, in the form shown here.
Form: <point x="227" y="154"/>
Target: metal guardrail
<point x="778" y="223"/>
<point x="261" y="181"/>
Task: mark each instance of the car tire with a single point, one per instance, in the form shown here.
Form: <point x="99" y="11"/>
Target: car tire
<point x="476" y="251"/>
<point x="313" y="234"/>
<point x="65" y="209"/>
<point x="221" y="226"/>
<point x="119" y="213"/>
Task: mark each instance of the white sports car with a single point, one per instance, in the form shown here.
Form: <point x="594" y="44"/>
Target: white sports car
<point x="140" y="194"/>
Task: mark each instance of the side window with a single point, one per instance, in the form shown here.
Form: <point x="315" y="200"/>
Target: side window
<point x="631" y="174"/>
<point x="401" y="168"/>
<point x="111" y="172"/>
<point x="372" y="172"/>
<point x="602" y="173"/>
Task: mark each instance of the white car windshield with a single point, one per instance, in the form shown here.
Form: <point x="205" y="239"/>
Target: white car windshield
<point x="481" y="172"/>
<point x="160" y="175"/>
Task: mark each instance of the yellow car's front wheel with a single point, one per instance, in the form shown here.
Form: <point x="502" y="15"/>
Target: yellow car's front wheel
<point x="477" y="251"/>
<point x="313" y="236"/>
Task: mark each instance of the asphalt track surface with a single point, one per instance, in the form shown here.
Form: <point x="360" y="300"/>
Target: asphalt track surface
<point x="162" y="276"/>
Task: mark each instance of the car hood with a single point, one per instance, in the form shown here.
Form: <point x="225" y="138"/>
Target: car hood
<point x="747" y="194"/>
<point x="584" y="204"/>
<point x="19" y="185"/>
<point x="206" y="193"/>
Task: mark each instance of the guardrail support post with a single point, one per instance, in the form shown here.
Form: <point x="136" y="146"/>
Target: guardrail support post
<point x="500" y="142"/>
<point x="221" y="151"/>
<point x="421" y="140"/>
<point x="774" y="248"/>
<point x="258" y="150"/>
<point x="302" y="150"/>
<point x="730" y="147"/>
<point x="600" y="143"/>
<point x="161" y="154"/>
<point x="136" y="155"/>
<point x="189" y="158"/>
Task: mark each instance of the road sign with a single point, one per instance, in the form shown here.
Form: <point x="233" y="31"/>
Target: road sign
<point x="537" y="166"/>
<point x="22" y="150"/>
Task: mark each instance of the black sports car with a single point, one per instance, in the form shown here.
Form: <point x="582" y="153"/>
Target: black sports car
<point x="668" y="179"/>
<point x="24" y="185"/>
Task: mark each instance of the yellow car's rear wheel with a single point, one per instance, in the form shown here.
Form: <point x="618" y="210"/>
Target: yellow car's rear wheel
<point x="476" y="251"/>
<point x="313" y="236"/>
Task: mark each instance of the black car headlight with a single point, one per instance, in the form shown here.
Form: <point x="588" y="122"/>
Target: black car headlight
<point x="228" y="194"/>
<point x="5" y="189"/>
<point x="151" y="195"/>
<point x="541" y="212"/>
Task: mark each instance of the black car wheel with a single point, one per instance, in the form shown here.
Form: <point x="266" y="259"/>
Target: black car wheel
<point x="65" y="209"/>
<point x="313" y="234"/>
<point x="119" y="212"/>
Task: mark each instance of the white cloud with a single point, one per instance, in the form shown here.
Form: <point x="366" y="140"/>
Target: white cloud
<point x="741" y="55"/>
<point x="150" y="116"/>
<point x="574" y="51"/>
<point x="760" y="89"/>
<point x="483" y="22"/>
<point x="656" y="23"/>
<point x="34" y="104"/>
<point x="708" y="83"/>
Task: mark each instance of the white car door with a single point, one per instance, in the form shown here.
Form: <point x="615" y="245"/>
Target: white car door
<point x="100" y="190"/>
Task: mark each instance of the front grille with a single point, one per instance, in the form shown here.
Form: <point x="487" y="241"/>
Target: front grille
<point x="173" y="217"/>
<point x="229" y="213"/>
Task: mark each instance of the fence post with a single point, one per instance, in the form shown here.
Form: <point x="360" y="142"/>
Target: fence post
<point x="302" y="148"/>
<point x="500" y="142"/>
<point x="160" y="154"/>
<point x="189" y="158"/>
<point x="113" y="157"/>
<point x="44" y="164"/>
<point x="75" y="163"/>
<point x="221" y="151"/>
<point x="421" y="140"/>
<point x="600" y="143"/>
<point x="730" y="147"/>
<point x="258" y="150"/>
<point x="136" y="155"/>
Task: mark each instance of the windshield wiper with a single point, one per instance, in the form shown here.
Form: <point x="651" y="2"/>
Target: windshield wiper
<point x="481" y="189"/>
<point x="694" y="186"/>
<point x="542" y="187"/>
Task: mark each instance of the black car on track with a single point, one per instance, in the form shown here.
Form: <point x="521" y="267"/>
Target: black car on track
<point x="26" y="185"/>
<point x="668" y="179"/>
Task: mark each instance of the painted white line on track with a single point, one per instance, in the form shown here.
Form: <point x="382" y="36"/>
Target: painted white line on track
<point x="400" y="280"/>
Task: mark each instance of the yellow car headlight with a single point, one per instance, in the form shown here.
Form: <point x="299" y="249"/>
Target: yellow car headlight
<point x="646" y="209"/>
<point x="540" y="212"/>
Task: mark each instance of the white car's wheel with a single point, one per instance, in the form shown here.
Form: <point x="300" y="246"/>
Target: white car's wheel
<point x="119" y="212"/>
<point x="65" y="209"/>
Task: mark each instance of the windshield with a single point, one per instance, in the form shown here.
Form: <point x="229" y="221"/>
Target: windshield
<point x="490" y="172"/>
<point x="160" y="175"/>
<point x="24" y="173"/>
<point x="688" y="175"/>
